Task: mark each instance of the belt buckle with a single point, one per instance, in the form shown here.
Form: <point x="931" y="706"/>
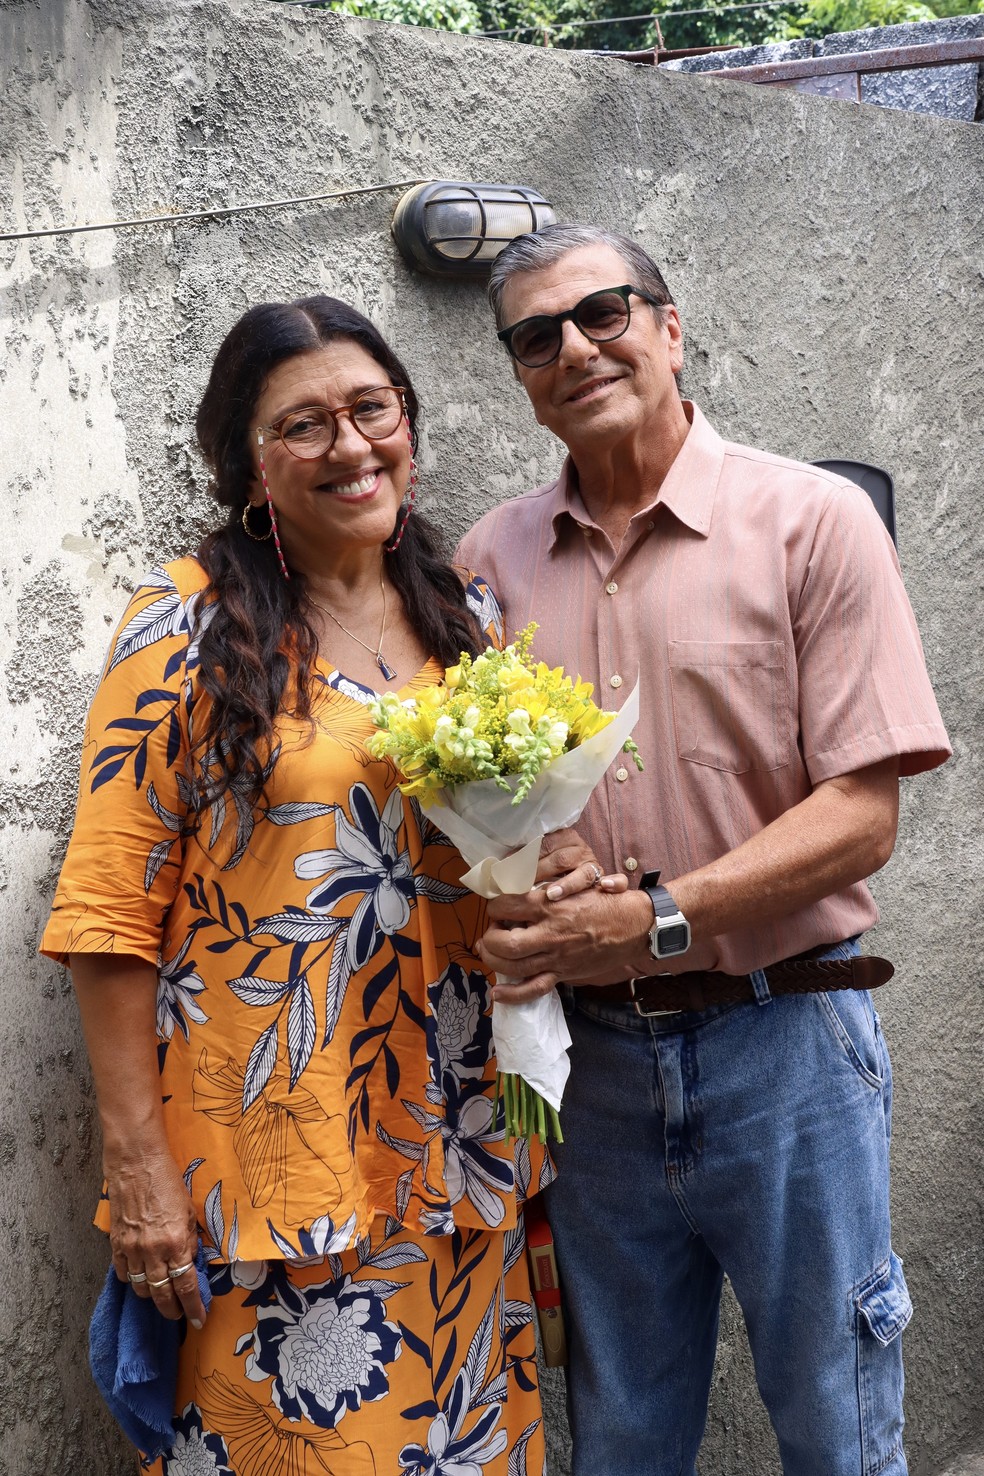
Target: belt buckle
<point x="638" y="1005"/>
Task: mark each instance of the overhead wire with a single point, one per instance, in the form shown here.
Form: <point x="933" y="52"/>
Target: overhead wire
<point x="212" y="213"/>
<point x="615" y="20"/>
<point x="608" y="20"/>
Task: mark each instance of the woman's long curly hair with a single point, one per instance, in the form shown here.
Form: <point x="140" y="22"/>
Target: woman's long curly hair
<point x="258" y="650"/>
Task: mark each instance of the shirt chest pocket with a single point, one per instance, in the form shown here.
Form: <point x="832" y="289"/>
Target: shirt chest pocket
<point x="731" y="704"/>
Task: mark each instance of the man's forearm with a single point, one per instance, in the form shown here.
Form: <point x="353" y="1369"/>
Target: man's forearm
<point x="840" y="834"/>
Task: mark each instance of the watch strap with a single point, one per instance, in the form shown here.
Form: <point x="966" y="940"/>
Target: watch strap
<point x="663" y="903"/>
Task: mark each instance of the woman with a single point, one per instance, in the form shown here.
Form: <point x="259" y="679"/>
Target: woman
<point x="275" y="963"/>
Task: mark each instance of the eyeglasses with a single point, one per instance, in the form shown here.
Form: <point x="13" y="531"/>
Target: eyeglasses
<point x="311" y="432"/>
<point x="601" y="316"/>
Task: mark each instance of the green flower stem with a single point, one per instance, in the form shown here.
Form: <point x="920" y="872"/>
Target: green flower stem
<point x="526" y="1113"/>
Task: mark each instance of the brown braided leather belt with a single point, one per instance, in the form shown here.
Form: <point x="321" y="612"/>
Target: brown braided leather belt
<point x="670" y="994"/>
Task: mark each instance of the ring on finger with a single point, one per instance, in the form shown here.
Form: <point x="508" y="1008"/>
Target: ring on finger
<point x="135" y="1278"/>
<point x="156" y="1285"/>
<point x="175" y="1271"/>
<point x="598" y="873"/>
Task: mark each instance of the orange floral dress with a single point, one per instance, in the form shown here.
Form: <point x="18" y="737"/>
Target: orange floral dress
<point x="327" y="1075"/>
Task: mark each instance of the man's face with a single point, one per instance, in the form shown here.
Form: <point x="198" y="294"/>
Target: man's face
<point x="595" y="395"/>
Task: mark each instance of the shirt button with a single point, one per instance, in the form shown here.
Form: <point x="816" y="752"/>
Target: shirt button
<point x="630" y="863"/>
<point x="650" y="525"/>
<point x="615" y="681"/>
<point x="586" y="531"/>
<point x="621" y="775"/>
<point x="611" y="588"/>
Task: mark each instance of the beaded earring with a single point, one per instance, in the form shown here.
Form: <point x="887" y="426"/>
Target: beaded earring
<point x="273" y="516"/>
<point x="409" y="500"/>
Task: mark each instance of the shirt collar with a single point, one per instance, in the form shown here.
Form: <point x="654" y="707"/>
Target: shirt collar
<point x="688" y="489"/>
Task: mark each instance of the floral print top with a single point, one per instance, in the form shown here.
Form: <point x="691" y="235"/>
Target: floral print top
<point x="324" y="1023"/>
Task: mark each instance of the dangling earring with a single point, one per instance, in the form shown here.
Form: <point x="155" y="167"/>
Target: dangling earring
<point x="408" y="501"/>
<point x="273" y="516"/>
<point x="256" y="537"/>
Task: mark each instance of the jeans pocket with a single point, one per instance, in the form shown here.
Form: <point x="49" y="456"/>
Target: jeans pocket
<point x="730" y="704"/>
<point x="851" y="1017"/>
<point x="883" y="1309"/>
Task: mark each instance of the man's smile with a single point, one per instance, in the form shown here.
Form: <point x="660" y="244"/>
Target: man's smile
<point x="593" y="385"/>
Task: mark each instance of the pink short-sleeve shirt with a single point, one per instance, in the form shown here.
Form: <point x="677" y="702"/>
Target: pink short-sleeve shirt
<point x="760" y="604"/>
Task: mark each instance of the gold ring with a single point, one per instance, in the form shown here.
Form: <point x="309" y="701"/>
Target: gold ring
<point x="158" y="1284"/>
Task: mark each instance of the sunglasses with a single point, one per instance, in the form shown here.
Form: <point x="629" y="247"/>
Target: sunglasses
<point x="601" y="316"/>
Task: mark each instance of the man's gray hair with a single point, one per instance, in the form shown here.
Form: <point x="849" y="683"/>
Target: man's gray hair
<point x="543" y="248"/>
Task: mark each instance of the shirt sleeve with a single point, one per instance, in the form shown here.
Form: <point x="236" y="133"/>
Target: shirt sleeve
<point x="121" y="870"/>
<point x="483" y="604"/>
<point x="864" y="691"/>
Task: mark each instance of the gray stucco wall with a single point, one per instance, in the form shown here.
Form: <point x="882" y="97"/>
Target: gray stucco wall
<point x="827" y="261"/>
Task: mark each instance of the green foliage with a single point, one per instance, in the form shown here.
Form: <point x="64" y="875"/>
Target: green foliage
<point x="823" y="17"/>
<point x="957" y="7"/>
<point x="560" y="22"/>
<point x="438" y="15"/>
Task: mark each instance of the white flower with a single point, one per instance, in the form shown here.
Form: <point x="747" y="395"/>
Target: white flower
<point x="247" y="1274"/>
<point x="329" y="1350"/>
<point x="364" y="859"/>
<point x="177" y="986"/>
<point x="469" y="1168"/>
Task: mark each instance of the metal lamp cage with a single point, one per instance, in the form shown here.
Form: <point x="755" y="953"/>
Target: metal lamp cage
<point x="450" y="228"/>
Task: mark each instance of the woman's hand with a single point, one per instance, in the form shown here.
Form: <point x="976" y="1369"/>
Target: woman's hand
<point x="568" y="865"/>
<point x="153" y="1233"/>
<point x="153" y="1229"/>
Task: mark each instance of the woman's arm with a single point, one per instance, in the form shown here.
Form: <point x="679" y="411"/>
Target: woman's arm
<point x="153" y="1226"/>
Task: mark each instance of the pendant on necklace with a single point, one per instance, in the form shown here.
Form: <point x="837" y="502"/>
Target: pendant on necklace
<point x="387" y="671"/>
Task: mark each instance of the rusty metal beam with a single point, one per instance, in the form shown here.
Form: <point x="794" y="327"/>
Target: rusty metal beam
<point x="852" y="63"/>
<point x="778" y="74"/>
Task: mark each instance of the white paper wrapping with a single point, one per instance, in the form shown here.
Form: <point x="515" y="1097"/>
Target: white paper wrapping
<point x="501" y="843"/>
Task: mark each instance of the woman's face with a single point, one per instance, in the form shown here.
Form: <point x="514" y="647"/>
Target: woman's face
<point x="349" y="497"/>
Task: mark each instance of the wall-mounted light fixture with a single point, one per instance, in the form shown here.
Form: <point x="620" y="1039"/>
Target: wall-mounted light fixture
<point x="455" y="228"/>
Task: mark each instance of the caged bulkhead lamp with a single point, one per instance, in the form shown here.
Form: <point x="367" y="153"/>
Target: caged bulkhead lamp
<point x="455" y="228"/>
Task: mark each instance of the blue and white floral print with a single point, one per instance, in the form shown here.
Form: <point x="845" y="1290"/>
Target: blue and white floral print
<point x="469" y="1168"/>
<point x="196" y="1452"/>
<point x="366" y="858"/>
<point x="177" y="986"/>
<point x="326" y="1349"/>
<point x="459" y="1002"/>
<point x="451" y="1450"/>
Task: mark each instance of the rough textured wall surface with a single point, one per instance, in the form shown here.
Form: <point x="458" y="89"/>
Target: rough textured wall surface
<point x="827" y="262"/>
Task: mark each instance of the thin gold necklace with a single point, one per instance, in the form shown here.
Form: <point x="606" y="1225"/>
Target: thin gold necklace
<point x="388" y="673"/>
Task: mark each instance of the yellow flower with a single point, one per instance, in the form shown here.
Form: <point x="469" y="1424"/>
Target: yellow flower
<point x="496" y="716"/>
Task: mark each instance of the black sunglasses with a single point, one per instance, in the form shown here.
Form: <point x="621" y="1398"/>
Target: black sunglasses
<point x="601" y="316"/>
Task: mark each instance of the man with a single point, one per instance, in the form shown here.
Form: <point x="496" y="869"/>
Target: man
<point x="714" y="1122"/>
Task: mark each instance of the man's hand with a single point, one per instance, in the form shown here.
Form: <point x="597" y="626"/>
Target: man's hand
<point x="594" y="936"/>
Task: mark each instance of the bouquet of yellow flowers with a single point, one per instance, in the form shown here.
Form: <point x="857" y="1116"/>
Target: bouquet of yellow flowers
<point x="503" y="751"/>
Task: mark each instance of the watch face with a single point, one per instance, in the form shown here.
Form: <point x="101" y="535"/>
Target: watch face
<point x="674" y="939"/>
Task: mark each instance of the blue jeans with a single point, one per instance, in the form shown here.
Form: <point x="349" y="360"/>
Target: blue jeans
<point x="750" y="1140"/>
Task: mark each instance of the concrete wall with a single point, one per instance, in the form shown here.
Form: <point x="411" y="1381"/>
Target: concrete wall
<point x="827" y="263"/>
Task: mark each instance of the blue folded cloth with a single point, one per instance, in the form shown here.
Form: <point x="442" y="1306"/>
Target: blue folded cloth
<point x="133" y="1352"/>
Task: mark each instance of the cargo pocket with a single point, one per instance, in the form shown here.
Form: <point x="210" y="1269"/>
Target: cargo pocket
<point x="730" y="704"/>
<point x="883" y="1309"/>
